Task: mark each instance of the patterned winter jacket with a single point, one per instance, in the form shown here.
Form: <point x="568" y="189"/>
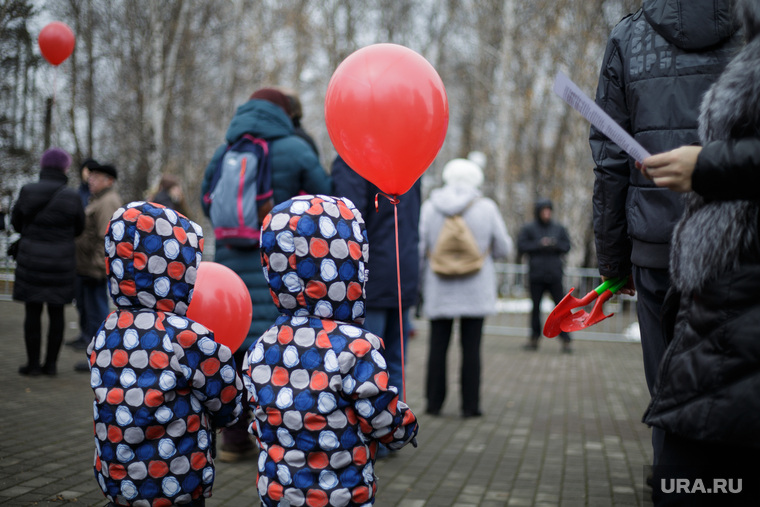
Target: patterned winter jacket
<point x="317" y="381"/>
<point x="162" y="385"/>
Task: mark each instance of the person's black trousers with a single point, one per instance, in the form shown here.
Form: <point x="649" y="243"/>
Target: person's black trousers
<point x="33" y="334"/>
<point x="471" y="330"/>
<point x="651" y="287"/>
<point x="537" y="290"/>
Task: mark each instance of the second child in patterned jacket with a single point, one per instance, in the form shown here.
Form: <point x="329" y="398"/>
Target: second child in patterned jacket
<point x="162" y="384"/>
<point x="316" y="379"/>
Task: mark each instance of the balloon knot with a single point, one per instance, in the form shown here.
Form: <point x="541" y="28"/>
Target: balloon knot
<point x="392" y="198"/>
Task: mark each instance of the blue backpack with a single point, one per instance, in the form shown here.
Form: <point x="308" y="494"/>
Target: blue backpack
<point x="240" y="194"/>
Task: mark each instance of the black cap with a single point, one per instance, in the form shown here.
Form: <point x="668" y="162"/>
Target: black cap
<point x="105" y="169"/>
<point x="87" y="163"/>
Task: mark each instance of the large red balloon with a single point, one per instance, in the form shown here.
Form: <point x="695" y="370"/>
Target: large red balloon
<point x="222" y="303"/>
<point x="56" y="42"/>
<point x="387" y="113"/>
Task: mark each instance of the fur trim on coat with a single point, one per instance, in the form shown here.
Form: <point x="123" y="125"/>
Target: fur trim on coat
<point x="712" y="237"/>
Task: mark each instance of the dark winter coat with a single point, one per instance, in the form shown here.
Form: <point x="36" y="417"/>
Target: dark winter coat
<point x="382" y="287"/>
<point x="656" y="68"/>
<point x="727" y="169"/>
<point x="544" y="260"/>
<point x="295" y="168"/>
<point x="84" y="193"/>
<point x="709" y="378"/>
<point x="317" y="380"/>
<point x="46" y="263"/>
<point x="162" y="385"/>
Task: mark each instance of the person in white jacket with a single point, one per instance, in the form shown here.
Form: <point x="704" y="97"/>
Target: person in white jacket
<point x="469" y="298"/>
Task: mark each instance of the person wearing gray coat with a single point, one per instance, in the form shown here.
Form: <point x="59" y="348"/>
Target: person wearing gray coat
<point x="469" y="298"/>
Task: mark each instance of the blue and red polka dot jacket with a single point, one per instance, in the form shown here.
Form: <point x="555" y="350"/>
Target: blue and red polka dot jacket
<point x="162" y="384"/>
<point x="316" y="379"/>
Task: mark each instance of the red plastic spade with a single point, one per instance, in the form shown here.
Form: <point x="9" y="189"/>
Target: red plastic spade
<point x="562" y="318"/>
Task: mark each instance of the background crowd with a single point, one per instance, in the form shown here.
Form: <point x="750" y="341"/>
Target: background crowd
<point x="692" y="262"/>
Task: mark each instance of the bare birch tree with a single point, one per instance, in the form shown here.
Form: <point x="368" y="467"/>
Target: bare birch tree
<point x="156" y="83"/>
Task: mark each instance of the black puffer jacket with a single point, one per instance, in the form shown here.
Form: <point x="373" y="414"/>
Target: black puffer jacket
<point x="657" y="65"/>
<point x="709" y="379"/>
<point x="46" y="263"/>
<point x="710" y="374"/>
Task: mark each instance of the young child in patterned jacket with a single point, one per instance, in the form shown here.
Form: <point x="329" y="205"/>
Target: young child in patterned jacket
<point x="316" y="380"/>
<point x="162" y="385"/>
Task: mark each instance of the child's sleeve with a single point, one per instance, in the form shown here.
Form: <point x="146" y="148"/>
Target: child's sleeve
<point x="215" y="380"/>
<point x="393" y="422"/>
<point x="382" y="416"/>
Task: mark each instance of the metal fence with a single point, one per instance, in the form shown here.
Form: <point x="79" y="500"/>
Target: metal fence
<point x="515" y="305"/>
<point x="514" y="300"/>
<point x="7" y="266"/>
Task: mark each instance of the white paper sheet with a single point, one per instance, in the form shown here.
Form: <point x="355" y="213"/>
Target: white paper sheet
<point x="570" y="93"/>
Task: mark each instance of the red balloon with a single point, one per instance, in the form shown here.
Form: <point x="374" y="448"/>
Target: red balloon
<point x="222" y="303"/>
<point x="56" y="42"/>
<point x="387" y="113"/>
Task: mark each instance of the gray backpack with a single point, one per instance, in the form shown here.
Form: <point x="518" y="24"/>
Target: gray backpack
<point x="240" y="193"/>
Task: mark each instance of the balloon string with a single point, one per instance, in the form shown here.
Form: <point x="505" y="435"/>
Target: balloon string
<point x="52" y="106"/>
<point x="394" y="200"/>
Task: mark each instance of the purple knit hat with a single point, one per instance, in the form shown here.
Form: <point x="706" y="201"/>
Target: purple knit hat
<point x="55" y="158"/>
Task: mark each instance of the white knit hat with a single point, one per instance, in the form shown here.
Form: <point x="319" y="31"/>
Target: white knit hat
<point x="462" y="172"/>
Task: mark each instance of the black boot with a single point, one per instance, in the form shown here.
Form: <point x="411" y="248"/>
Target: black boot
<point x="30" y="370"/>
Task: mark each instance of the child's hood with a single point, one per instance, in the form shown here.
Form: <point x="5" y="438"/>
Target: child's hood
<point x="152" y="257"/>
<point x="314" y="253"/>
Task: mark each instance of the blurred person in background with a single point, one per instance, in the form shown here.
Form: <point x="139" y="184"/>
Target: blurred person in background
<point x="295" y="169"/>
<point x="545" y="242"/>
<point x="81" y="341"/>
<point x="468" y="298"/>
<point x="170" y="194"/>
<point x="91" y="266"/>
<point x="49" y="216"/>
<point x="382" y="311"/>
<point x="296" y="114"/>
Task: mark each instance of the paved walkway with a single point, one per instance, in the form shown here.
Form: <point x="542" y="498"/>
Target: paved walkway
<point x="558" y="430"/>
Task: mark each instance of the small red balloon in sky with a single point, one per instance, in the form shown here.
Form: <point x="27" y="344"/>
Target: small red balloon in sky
<point x="56" y="42"/>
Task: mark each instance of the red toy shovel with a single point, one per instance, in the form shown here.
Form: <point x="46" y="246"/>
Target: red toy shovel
<point x="562" y="318"/>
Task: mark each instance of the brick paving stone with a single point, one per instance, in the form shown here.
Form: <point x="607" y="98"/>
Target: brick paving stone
<point x="558" y="430"/>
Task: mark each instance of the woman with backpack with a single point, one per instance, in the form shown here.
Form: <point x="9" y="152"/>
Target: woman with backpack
<point x="450" y="292"/>
<point x="295" y="168"/>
